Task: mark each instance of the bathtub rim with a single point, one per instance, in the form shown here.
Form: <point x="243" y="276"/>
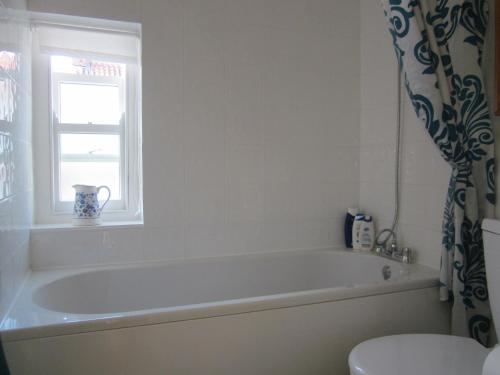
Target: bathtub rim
<point x="419" y="277"/>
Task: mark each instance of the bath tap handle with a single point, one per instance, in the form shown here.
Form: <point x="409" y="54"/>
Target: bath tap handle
<point x="394" y="247"/>
<point x="407" y="255"/>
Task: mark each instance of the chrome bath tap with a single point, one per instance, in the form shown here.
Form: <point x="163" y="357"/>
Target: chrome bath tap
<point x="403" y="255"/>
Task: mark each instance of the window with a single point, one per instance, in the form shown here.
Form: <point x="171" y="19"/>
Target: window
<point x="87" y="129"/>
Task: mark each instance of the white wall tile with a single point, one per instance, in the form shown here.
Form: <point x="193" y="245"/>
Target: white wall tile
<point x="280" y="201"/>
<point x="377" y="198"/>
<point x="319" y="233"/>
<point x="16" y="184"/>
<point x="205" y="239"/>
<point x="377" y="163"/>
<point x="163" y="242"/>
<point x="279" y="234"/>
<point x="252" y="136"/>
<point x="66" y="248"/>
<point x="379" y="119"/>
<point x="244" y="203"/>
<point x="124" y="245"/>
<point x="342" y="164"/>
<point x="245" y="236"/>
<point x="250" y="127"/>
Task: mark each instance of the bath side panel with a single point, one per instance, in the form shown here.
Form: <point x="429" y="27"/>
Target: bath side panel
<point x="311" y="339"/>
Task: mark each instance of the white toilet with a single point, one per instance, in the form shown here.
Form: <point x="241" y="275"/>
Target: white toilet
<point x="419" y="354"/>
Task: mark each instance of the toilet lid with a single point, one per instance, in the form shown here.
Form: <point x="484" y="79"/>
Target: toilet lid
<point x="418" y="355"/>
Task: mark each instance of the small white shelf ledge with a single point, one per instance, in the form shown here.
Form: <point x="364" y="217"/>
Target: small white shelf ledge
<point x="106" y="225"/>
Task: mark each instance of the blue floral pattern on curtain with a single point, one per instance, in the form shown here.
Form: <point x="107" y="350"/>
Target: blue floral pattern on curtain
<point x="439" y="45"/>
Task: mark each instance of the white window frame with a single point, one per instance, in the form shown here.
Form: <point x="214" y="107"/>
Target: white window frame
<point x="58" y="128"/>
<point x="46" y="142"/>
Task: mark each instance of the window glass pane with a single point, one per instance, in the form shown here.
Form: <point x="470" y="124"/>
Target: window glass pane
<point x="83" y="103"/>
<point x="83" y="96"/>
<point x="89" y="159"/>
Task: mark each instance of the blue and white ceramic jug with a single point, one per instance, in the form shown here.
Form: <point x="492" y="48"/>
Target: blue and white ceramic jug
<point x="86" y="210"/>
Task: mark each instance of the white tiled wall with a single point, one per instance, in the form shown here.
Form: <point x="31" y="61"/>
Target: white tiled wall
<point x="252" y="136"/>
<point x="250" y="127"/>
<point x="15" y="159"/>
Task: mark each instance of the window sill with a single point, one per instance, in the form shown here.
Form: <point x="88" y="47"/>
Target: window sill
<point x="36" y="228"/>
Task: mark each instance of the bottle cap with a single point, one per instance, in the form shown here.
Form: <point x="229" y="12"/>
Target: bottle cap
<point x="353" y="211"/>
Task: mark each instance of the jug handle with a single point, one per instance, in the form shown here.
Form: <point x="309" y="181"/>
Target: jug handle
<point x="107" y="199"/>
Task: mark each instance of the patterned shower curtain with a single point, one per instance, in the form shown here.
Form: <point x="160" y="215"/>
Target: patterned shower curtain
<point x="439" y="45"/>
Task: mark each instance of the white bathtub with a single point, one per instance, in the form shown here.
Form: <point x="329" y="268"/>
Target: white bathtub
<point x="280" y="313"/>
